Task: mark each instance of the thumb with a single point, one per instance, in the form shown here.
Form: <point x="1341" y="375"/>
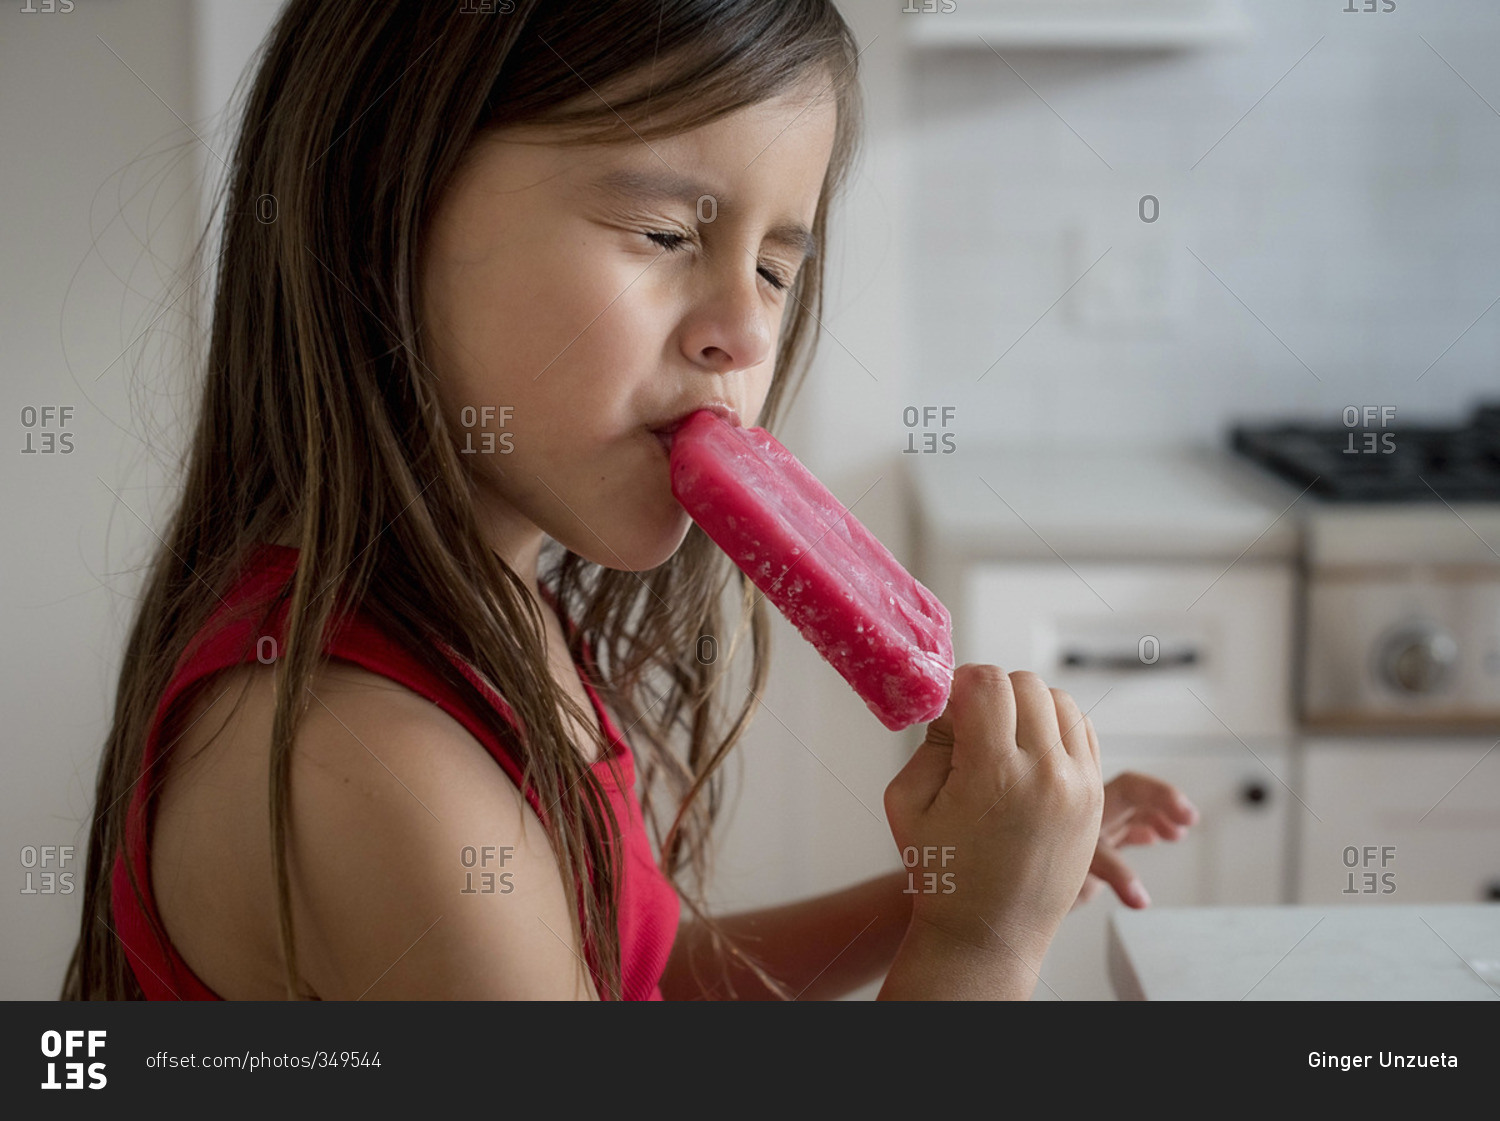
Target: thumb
<point x="1112" y="870"/>
<point x="917" y="785"/>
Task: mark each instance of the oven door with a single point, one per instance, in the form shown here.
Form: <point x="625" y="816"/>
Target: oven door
<point x="1403" y="648"/>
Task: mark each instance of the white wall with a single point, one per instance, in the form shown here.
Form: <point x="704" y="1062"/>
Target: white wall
<point x="1352" y="211"/>
<point x="98" y="188"/>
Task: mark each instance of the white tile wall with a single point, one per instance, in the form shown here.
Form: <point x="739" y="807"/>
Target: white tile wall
<point x="1352" y="210"/>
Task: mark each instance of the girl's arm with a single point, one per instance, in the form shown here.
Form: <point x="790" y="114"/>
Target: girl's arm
<point x="828" y="946"/>
<point x="1004" y="797"/>
<point x="393" y="803"/>
<point x="819" y="948"/>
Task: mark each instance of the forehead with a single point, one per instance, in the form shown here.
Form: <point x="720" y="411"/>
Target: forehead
<point x="775" y="150"/>
<point x="773" y="154"/>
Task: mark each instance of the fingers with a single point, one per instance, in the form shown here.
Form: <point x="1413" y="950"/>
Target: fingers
<point x="983" y="706"/>
<point x="1170" y="802"/>
<point x="916" y="785"/>
<point x="1071" y="724"/>
<point x="1138" y="827"/>
<point x="980" y="706"/>
<point x="1093" y="737"/>
<point x="1160" y="797"/>
<point x="1117" y="874"/>
<point x="1165" y="827"/>
<point x="1137" y="798"/>
<point x="1179" y="809"/>
<point x="1037" y="730"/>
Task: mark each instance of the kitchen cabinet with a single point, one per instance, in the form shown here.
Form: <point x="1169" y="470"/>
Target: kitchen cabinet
<point x="1400" y="820"/>
<point x="1162" y="649"/>
<point x="1318" y="678"/>
<point x="1076" y="24"/>
<point x="1204" y="704"/>
<point x="1159" y="589"/>
<point x="1235" y="855"/>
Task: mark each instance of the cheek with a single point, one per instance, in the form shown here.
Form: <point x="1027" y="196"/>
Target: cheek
<point x="577" y="329"/>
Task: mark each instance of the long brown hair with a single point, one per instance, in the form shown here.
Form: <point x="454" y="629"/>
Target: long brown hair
<point x="319" y="416"/>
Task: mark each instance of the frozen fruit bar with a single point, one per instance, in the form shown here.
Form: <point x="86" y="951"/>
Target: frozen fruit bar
<point x="885" y="633"/>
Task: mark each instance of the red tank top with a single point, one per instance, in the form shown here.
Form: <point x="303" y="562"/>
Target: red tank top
<point x="648" y="906"/>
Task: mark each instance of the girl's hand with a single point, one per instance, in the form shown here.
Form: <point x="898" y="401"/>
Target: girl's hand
<point x="997" y="815"/>
<point x="1138" y="809"/>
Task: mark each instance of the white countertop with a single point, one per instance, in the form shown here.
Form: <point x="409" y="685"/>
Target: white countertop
<point x="1108" y="504"/>
<point x="1436" y="951"/>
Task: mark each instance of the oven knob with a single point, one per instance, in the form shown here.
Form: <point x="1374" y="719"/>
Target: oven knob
<point x="1420" y="660"/>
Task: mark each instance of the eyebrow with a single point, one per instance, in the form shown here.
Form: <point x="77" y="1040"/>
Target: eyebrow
<point x="653" y="186"/>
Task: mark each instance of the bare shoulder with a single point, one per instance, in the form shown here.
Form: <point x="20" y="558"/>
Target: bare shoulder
<point x="418" y="870"/>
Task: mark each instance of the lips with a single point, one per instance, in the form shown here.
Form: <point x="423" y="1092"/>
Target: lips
<point x="665" y="432"/>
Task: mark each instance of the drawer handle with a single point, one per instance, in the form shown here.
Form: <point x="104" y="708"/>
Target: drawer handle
<point x="1255" y="793"/>
<point x="1083" y="659"/>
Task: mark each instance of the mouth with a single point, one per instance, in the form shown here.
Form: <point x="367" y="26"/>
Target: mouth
<point x="664" y="433"/>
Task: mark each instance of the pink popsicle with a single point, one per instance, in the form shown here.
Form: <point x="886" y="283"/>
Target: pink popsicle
<point x="885" y="633"/>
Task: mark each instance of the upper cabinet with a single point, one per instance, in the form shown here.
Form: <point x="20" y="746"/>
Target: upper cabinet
<point x="1074" y="24"/>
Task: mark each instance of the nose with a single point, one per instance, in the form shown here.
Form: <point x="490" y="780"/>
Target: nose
<point x="734" y="323"/>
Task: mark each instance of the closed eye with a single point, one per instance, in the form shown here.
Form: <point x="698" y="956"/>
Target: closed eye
<point x="669" y="241"/>
<point x="673" y="242"/>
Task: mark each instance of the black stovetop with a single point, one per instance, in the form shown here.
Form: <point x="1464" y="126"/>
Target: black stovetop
<point x="1377" y="459"/>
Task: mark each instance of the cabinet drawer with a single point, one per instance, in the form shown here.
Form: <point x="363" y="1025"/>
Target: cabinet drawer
<point x="1160" y="649"/>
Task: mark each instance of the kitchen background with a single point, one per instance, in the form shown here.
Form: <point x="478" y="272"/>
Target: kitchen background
<point x="1085" y="239"/>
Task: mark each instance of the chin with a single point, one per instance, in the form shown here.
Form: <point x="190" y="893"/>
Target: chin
<point x="648" y="545"/>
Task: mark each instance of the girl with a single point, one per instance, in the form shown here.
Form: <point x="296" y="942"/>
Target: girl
<point x="427" y="572"/>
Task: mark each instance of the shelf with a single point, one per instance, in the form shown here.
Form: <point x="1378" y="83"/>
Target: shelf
<point x="1077" y="24"/>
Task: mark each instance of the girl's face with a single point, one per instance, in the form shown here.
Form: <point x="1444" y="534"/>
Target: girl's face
<point x="577" y="300"/>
